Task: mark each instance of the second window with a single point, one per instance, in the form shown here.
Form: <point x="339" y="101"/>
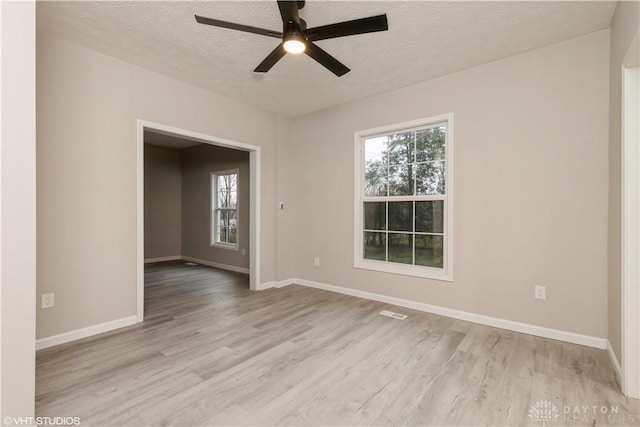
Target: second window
<point x="224" y="209"/>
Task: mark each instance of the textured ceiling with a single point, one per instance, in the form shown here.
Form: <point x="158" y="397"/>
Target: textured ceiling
<point x="425" y="40"/>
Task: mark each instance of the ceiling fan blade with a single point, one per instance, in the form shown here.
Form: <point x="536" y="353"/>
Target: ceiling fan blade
<point x="348" y="28"/>
<point x="271" y="59"/>
<point x="239" y="27"/>
<point x="289" y="11"/>
<point x="328" y="61"/>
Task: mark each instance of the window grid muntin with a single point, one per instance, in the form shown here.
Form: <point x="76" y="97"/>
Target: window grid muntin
<point x="215" y="209"/>
<point x="414" y="198"/>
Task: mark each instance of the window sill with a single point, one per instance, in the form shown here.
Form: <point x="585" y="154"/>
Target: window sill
<point x="405" y="270"/>
<point x="223" y="246"/>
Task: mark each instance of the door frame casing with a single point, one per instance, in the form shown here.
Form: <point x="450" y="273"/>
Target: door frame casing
<point x="630" y="283"/>
<point x="254" y="199"/>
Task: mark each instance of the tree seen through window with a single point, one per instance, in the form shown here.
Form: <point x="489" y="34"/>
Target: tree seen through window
<point x="404" y="195"/>
<point x="225" y="224"/>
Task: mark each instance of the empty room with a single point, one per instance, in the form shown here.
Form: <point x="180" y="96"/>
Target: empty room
<point x="320" y="213"/>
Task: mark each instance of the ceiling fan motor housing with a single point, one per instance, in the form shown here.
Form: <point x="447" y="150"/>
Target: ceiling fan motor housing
<point x="297" y="38"/>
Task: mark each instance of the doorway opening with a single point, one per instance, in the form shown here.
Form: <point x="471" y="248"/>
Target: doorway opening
<point x="188" y="137"/>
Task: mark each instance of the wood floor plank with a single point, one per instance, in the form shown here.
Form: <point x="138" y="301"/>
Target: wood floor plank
<point x="213" y="352"/>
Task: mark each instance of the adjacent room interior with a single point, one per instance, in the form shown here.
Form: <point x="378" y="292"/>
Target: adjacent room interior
<point x="196" y="203"/>
<point x="426" y="215"/>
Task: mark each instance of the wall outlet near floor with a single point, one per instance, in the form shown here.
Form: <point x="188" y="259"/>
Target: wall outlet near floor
<point x="541" y="292"/>
<point x="48" y="300"/>
<point x="316" y="262"/>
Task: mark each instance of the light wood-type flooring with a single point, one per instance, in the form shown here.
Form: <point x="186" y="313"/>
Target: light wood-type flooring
<point x="212" y="352"/>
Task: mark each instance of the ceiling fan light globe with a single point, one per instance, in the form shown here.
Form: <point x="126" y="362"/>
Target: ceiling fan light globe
<point x="294" y="46"/>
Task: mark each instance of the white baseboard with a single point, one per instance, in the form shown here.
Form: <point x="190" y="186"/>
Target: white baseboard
<point x="616" y="364"/>
<point x="571" y="337"/>
<point x="510" y="325"/>
<point x="265" y="285"/>
<point x="127" y="321"/>
<point x="198" y="261"/>
<point x="85" y="332"/>
<point x="275" y="284"/>
<point x="163" y="259"/>
<point x="216" y="264"/>
<point x="283" y="283"/>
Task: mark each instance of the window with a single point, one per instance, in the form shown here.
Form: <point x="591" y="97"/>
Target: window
<point x="224" y="209"/>
<point x="404" y="198"/>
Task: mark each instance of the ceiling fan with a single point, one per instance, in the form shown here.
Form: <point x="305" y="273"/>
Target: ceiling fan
<point x="297" y="38"/>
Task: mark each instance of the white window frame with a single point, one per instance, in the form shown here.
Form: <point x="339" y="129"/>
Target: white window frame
<point x="214" y="207"/>
<point x="445" y="273"/>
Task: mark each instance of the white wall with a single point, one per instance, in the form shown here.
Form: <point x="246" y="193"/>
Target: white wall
<point x="87" y="108"/>
<point x="530" y="179"/>
<point x="17" y="215"/>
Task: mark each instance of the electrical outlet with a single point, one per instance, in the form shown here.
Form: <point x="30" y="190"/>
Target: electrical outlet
<point x="244" y="252"/>
<point x="316" y="262"/>
<point x="48" y="300"/>
<point x="541" y="292"/>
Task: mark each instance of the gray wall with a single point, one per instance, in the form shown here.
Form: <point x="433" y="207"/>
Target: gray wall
<point x="177" y="197"/>
<point x="531" y="130"/>
<point x="162" y="202"/>
<point x="88" y="104"/>
<point x="530" y="178"/>
<point x="624" y="27"/>
<point x="197" y="164"/>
